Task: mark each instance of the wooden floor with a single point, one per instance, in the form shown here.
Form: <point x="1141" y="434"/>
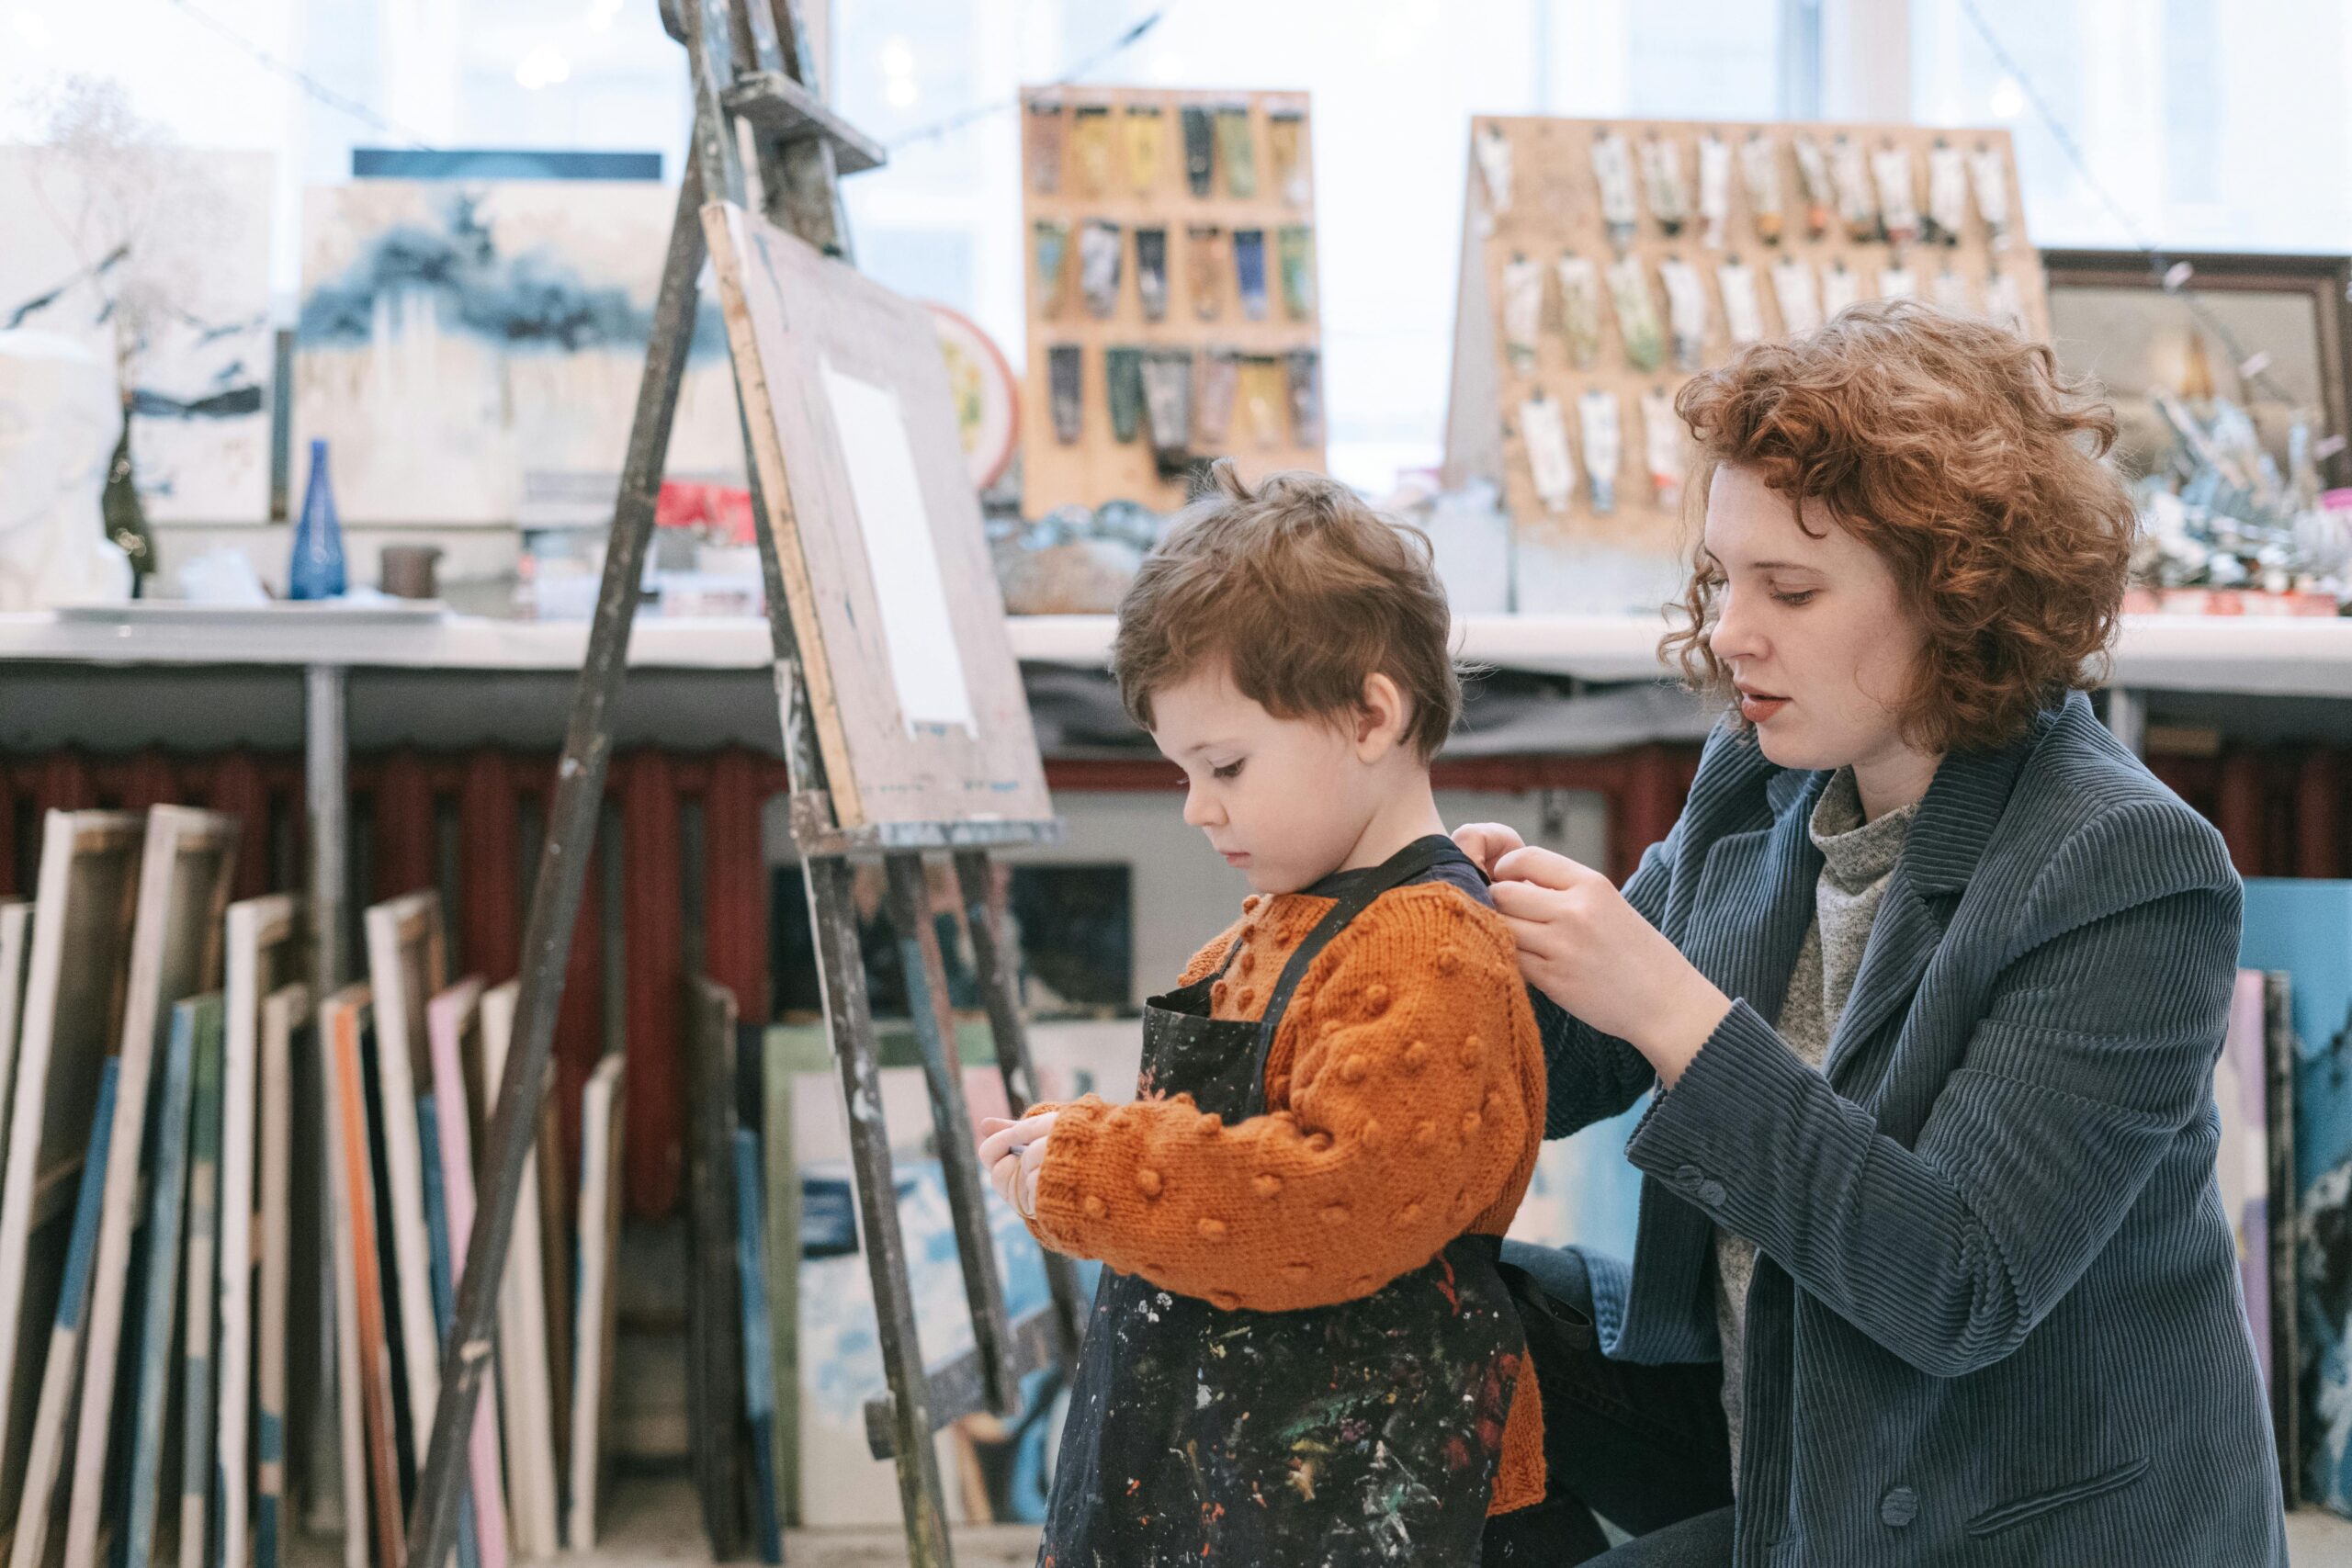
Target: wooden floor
<point x="654" y="1522"/>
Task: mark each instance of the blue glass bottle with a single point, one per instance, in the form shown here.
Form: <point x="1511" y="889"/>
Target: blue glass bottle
<point x="317" y="570"/>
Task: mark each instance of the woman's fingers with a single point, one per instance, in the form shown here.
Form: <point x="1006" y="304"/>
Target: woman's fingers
<point x="1546" y="868"/>
<point x="1486" y="843"/>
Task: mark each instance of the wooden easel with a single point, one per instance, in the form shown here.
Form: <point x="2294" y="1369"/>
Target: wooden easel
<point x="754" y="80"/>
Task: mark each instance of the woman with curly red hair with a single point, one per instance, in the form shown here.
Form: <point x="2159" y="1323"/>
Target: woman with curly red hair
<point x="1927" y="983"/>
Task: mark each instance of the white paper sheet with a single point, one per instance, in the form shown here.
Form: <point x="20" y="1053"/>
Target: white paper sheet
<point x="925" y="665"/>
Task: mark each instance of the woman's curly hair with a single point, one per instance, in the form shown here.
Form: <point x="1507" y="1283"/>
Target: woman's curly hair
<point x="1963" y="456"/>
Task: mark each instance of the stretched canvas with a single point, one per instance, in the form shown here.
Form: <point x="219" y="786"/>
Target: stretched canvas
<point x="161" y="255"/>
<point x="469" y="351"/>
<point x="72" y="1019"/>
<point x="263" y="955"/>
<point x="188" y="860"/>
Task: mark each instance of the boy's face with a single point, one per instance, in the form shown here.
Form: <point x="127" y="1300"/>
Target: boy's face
<point x="1283" y="800"/>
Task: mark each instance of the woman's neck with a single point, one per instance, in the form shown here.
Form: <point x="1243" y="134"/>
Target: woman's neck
<point x="1893" y="779"/>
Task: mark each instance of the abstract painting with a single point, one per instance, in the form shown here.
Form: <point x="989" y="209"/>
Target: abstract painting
<point x="471" y="352"/>
<point x="157" y="261"/>
<point x="2304" y="927"/>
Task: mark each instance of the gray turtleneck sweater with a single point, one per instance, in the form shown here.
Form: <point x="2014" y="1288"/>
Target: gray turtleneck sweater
<point x="1857" y="860"/>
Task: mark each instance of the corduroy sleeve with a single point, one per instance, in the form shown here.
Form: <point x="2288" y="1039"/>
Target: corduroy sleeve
<point x="1414" y="1072"/>
<point x="1592" y="1075"/>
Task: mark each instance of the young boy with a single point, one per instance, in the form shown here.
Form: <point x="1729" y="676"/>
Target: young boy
<point x="1301" y="1351"/>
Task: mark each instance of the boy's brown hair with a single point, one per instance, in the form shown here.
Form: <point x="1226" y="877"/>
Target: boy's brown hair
<point x="1303" y="590"/>
<point x="1962" y="455"/>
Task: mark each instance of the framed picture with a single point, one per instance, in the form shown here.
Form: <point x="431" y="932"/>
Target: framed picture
<point x="2267" y="333"/>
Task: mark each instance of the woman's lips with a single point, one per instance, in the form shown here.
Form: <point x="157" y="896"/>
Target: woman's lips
<point x="1756" y="707"/>
<point x="1234" y="857"/>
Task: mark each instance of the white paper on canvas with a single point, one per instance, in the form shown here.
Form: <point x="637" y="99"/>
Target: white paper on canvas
<point x="925" y="665"/>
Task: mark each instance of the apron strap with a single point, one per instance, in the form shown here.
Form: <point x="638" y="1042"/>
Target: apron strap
<point x="1414" y="859"/>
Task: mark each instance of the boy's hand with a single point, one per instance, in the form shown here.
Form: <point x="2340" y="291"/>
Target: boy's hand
<point x="1013" y="1152"/>
<point x="1486" y="843"/>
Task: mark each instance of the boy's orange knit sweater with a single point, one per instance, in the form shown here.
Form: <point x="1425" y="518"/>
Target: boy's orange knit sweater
<point x="1405" y="1107"/>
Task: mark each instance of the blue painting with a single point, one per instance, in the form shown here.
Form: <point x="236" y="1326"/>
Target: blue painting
<point x="2305" y="929"/>
<point x="471" y="352"/>
<point x="157" y="259"/>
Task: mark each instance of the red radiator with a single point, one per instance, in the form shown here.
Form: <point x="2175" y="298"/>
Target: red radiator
<point x="468" y="825"/>
<point x="692" y="876"/>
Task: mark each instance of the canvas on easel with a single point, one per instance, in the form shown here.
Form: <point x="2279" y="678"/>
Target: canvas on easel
<point x="407" y="966"/>
<point x="917" y="697"/>
<point x="71" y="1025"/>
<point x="264" y="941"/>
<point x="904" y="721"/>
<point x="187" y="860"/>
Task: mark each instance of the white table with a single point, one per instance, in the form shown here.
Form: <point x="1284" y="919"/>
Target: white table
<point x="2251" y="656"/>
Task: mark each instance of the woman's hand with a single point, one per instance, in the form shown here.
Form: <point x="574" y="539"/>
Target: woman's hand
<point x="1013" y="1151"/>
<point x="1582" y="945"/>
<point x="1486" y="842"/>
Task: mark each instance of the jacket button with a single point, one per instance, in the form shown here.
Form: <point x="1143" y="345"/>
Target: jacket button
<point x="1899" y="1506"/>
<point x="1686" y="1176"/>
<point x="1710" y="1193"/>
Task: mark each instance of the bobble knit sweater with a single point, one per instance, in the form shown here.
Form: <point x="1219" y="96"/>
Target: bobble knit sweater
<point x="1405" y="1108"/>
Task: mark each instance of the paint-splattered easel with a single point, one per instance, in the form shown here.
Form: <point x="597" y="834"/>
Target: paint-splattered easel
<point x="753" y="79"/>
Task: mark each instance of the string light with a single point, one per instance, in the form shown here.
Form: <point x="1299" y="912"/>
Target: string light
<point x="2172" y="275"/>
<point x="303" y="79"/>
<point x="957" y="121"/>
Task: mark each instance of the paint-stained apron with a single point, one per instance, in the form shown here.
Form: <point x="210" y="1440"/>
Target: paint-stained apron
<point x="1367" y="1432"/>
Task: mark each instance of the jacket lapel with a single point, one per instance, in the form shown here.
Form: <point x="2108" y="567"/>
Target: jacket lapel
<point x="1757" y="897"/>
<point x="1957" y="819"/>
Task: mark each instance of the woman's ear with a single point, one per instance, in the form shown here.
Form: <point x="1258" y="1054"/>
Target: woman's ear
<point x="1381" y="713"/>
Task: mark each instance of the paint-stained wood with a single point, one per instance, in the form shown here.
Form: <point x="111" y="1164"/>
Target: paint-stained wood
<point x="909" y="899"/>
<point x="715" y="1401"/>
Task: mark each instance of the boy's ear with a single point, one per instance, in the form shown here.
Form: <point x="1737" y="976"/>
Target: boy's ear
<point x="1382" y="712"/>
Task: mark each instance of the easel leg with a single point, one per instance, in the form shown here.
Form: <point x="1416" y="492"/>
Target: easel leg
<point x="564" y="859"/>
<point x="992" y="955"/>
<point x="832" y="915"/>
<point x="934" y="1023"/>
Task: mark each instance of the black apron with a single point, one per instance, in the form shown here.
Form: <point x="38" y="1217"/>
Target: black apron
<point x="1367" y="1432"/>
